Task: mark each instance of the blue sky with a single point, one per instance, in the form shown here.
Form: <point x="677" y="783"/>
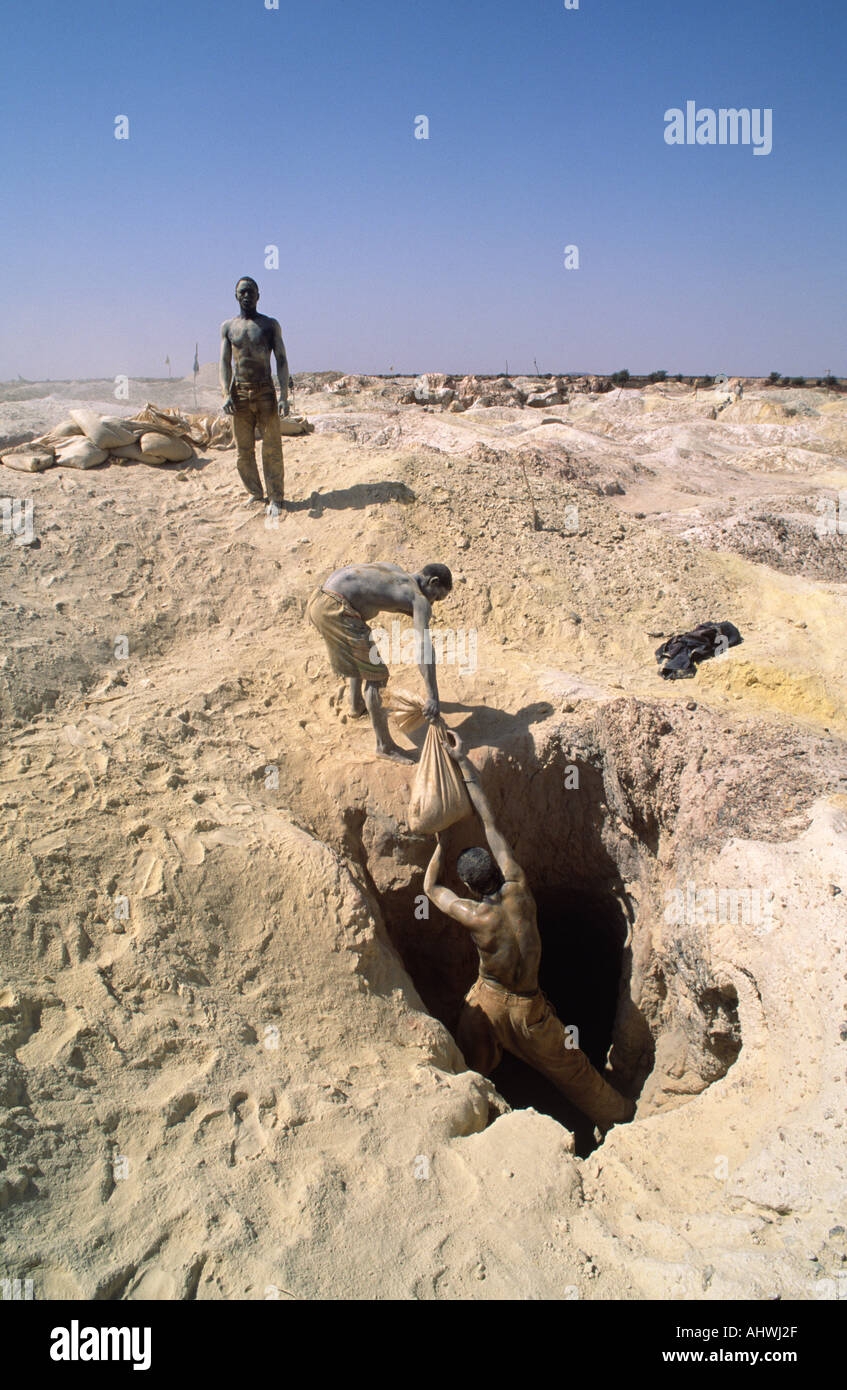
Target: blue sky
<point x="295" y="127"/>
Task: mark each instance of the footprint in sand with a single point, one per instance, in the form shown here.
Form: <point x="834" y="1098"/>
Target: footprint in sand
<point x="250" y="1138"/>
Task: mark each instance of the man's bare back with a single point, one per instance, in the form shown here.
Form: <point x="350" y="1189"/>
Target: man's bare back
<point x="379" y="588"/>
<point x="504" y="930"/>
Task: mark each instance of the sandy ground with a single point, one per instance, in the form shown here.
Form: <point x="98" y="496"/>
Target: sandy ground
<point x="218" y="1077"/>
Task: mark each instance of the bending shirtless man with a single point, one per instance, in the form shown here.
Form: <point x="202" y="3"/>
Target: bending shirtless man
<point x="250" y="398"/>
<point x="505" y="1008"/>
<point x="341" y="609"/>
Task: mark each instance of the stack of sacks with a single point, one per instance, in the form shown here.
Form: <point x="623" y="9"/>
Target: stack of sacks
<point x="91" y="446"/>
<point x="40" y="453"/>
<point x="154" y="435"/>
<point x="86" y="440"/>
<point x="130" y="440"/>
<point x="154" y="447"/>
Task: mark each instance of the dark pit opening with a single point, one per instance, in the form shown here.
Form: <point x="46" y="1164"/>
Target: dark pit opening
<point x="623" y="993"/>
<point x="719" y="1006"/>
<point x="582" y="940"/>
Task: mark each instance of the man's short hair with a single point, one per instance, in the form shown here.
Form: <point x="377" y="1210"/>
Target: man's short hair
<point x="478" y="870"/>
<point x="439" y="572"/>
<point x="246" y="280"/>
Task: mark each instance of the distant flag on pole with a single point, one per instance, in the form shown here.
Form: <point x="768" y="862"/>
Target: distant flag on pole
<point x="168" y="365"/>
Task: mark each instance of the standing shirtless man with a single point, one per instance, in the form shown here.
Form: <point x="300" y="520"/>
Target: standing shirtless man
<point x="505" y="1008"/>
<point x="341" y="609"/>
<point x="250" y="398"/>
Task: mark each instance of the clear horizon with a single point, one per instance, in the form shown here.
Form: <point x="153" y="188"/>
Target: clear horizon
<point x="251" y="127"/>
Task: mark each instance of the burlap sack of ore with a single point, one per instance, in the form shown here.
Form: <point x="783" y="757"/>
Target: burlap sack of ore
<point x="295" y="424"/>
<point x="29" y="460"/>
<point x="38" y="454"/>
<point x="168" y="420"/>
<point x="122" y="422"/>
<point x="438" y="796"/>
<point x="211" y="431"/>
<point x="165" y="448"/>
<point x="130" y="453"/>
<point x="288" y="425"/>
<point x="106" y="434"/>
<point x="66" y="429"/>
<point x="79" y="452"/>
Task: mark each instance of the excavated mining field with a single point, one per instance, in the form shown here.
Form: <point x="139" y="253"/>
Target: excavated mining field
<point x="227" y="1064"/>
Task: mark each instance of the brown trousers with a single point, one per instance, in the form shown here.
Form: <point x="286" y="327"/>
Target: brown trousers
<point x="526" y="1025"/>
<point x="254" y="405"/>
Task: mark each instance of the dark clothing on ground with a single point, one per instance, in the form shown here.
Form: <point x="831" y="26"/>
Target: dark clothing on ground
<point x="681" y="653"/>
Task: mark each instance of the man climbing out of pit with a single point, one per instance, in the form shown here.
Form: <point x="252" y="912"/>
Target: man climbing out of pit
<point x="505" y="1009"/>
<point x="250" y="398"/>
<point x="341" y="609"/>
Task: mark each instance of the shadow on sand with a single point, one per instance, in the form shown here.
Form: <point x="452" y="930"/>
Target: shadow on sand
<point x="354" y="498"/>
<point x="485" y="725"/>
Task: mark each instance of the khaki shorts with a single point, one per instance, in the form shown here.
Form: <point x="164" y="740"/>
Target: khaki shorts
<point x="347" y="636"/>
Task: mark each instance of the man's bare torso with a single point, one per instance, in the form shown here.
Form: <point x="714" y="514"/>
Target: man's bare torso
<point x="507" y="938"/>
<point x="252" y="342"/>
<point x="376" y="588"/>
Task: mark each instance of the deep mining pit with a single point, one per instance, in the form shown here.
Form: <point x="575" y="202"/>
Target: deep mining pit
<point x="579" y="845"/>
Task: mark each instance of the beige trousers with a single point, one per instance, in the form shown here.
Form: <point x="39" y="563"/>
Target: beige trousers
<point x="254" y="405"/>
<point x="494" y="1020"/>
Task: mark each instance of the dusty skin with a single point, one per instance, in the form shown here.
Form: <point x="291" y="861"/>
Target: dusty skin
<point x="505" y="1009"/>
<point x="249" y="397"/>
<point x="209" y="892"/>
<point x="384" y="588"/>
<point x="502" y="922"/>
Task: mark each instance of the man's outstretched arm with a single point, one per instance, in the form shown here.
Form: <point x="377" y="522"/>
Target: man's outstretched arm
<point x="500" y="847"/>
<point x="421" y="617"/>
